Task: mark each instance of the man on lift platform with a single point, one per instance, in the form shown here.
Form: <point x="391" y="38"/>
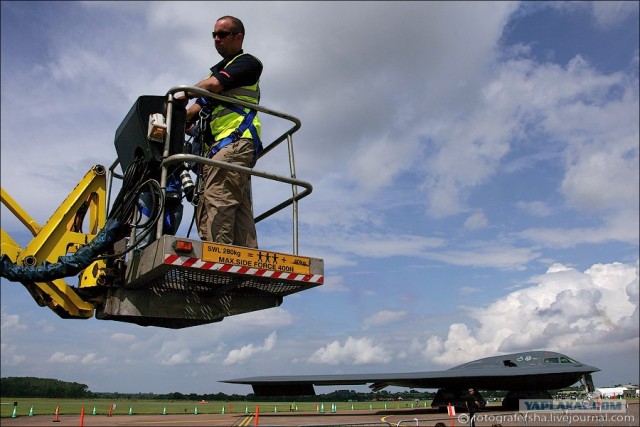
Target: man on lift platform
<point x="224" y="213"/>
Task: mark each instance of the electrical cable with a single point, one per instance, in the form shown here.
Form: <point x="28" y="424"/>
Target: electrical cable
<point x="117" y="227"/>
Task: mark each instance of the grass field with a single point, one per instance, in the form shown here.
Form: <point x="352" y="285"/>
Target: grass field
<point x="138" y="407"/>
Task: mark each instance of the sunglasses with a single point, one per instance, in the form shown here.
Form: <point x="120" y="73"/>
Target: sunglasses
<point x="222" y="34"/>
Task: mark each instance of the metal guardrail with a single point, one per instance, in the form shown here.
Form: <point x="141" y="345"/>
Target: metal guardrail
<point x="294" y="182"/>
<point x="287" y="135"/>
<point x="293" y="201"/>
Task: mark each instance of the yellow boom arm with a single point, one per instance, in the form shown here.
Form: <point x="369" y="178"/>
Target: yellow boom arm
<point x="61" y="235"/>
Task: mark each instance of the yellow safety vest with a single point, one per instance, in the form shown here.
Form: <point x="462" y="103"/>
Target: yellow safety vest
<point x="224" y="121"/>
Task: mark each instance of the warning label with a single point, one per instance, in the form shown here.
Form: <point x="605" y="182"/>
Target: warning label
<point x="255" y="258"/>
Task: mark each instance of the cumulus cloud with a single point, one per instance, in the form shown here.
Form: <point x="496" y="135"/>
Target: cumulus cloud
<point x="60" y="357"/>
<point x="611" y="13"/>
<point x="354" y="352"/>
<point x="535" y="208"/>
<point x="333" y="284"/>
<point x="11" y="322"/>
<point x="569" y="105"/>
<point x="208" y="344"/>
<point x="468" y="290"/>
<point x="476" y="221"/>
<point x="622" y="227"/>
<point x="266" y="319"/>
<point x="242" y="354"/>
<point x="562" y="309"/>
<point x="503" y="255"/>
<point x="180" y="358"/>
<point x="380" y="245"/>
<point x="120" y="337"/>
<point x="384" y="317"/>
<point x="206" y="357"/>
<point x="93" y="359"/>
<point x="10" y="356"/>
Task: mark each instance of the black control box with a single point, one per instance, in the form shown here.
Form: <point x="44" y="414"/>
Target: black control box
<point x="131" y="136"/>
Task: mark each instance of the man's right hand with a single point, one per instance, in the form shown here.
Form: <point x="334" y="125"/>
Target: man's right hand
<point x="182" y="98"/>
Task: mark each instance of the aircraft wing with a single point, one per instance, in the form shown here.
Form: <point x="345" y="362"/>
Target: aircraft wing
<point x="535" y="370"/>
<point x="487" y="379"/>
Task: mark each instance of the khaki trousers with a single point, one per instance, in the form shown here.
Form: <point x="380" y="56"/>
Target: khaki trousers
<point x="225" y="213"/>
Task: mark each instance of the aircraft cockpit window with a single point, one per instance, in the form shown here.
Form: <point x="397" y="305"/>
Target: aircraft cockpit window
<point x="551" y="360"/>
<point x="567" y="360"/>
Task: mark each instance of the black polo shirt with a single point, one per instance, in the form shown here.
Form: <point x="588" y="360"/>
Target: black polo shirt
<point x="245" y="70"/>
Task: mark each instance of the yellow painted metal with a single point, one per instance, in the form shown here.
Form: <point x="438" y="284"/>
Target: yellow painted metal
<point x="20" y="213"/>
<point x="9" y="247"/>
<point x="61" y="298"/>
<point x="93" y="275"/>
<point x="62" y="234"/>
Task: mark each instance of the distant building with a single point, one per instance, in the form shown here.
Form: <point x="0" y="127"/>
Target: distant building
<point x="627" y="391"/>
<point x="631" y="392"/>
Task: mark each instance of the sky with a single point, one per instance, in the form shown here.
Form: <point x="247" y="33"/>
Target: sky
<point x="474" y="168"/>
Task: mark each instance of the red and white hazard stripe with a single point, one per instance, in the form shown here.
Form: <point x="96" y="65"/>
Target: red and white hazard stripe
<point x="229" y="268"/>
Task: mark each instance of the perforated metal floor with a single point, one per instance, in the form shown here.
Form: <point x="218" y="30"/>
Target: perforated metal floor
<point x="216" y="282"/>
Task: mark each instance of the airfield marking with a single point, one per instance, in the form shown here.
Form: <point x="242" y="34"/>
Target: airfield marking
<point x="245" y="421"/>
<point x="407" y="417"/>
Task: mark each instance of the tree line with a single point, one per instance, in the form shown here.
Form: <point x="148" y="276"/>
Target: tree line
<point x="42" y="387"/>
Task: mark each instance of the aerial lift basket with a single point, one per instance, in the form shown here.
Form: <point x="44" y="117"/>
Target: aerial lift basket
<point x="174" y="289"/>
<point x="173" y="282"/>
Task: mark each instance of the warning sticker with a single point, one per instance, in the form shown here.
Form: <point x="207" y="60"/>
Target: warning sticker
<point x="255" y="258"/>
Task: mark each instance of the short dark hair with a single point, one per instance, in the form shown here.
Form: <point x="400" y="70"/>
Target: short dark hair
<point x="236" y="25"/>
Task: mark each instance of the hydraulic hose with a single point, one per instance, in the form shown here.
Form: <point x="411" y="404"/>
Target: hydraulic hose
<point x="67" y="265"/>
<point x="116" y="228"/>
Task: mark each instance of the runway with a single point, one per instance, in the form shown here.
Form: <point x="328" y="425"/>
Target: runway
<point x="401" y="417"/>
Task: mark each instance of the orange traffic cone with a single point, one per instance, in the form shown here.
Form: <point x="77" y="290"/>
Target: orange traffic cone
<point x="56" y="419"/>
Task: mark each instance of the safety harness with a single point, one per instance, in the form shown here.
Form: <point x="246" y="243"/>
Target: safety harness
<point x="223" y="110"/>
<point x="247" y="124"/>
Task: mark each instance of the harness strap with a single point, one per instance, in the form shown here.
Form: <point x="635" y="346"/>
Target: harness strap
<point x="247" y="123"/>
<point x="144" y="210"/>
